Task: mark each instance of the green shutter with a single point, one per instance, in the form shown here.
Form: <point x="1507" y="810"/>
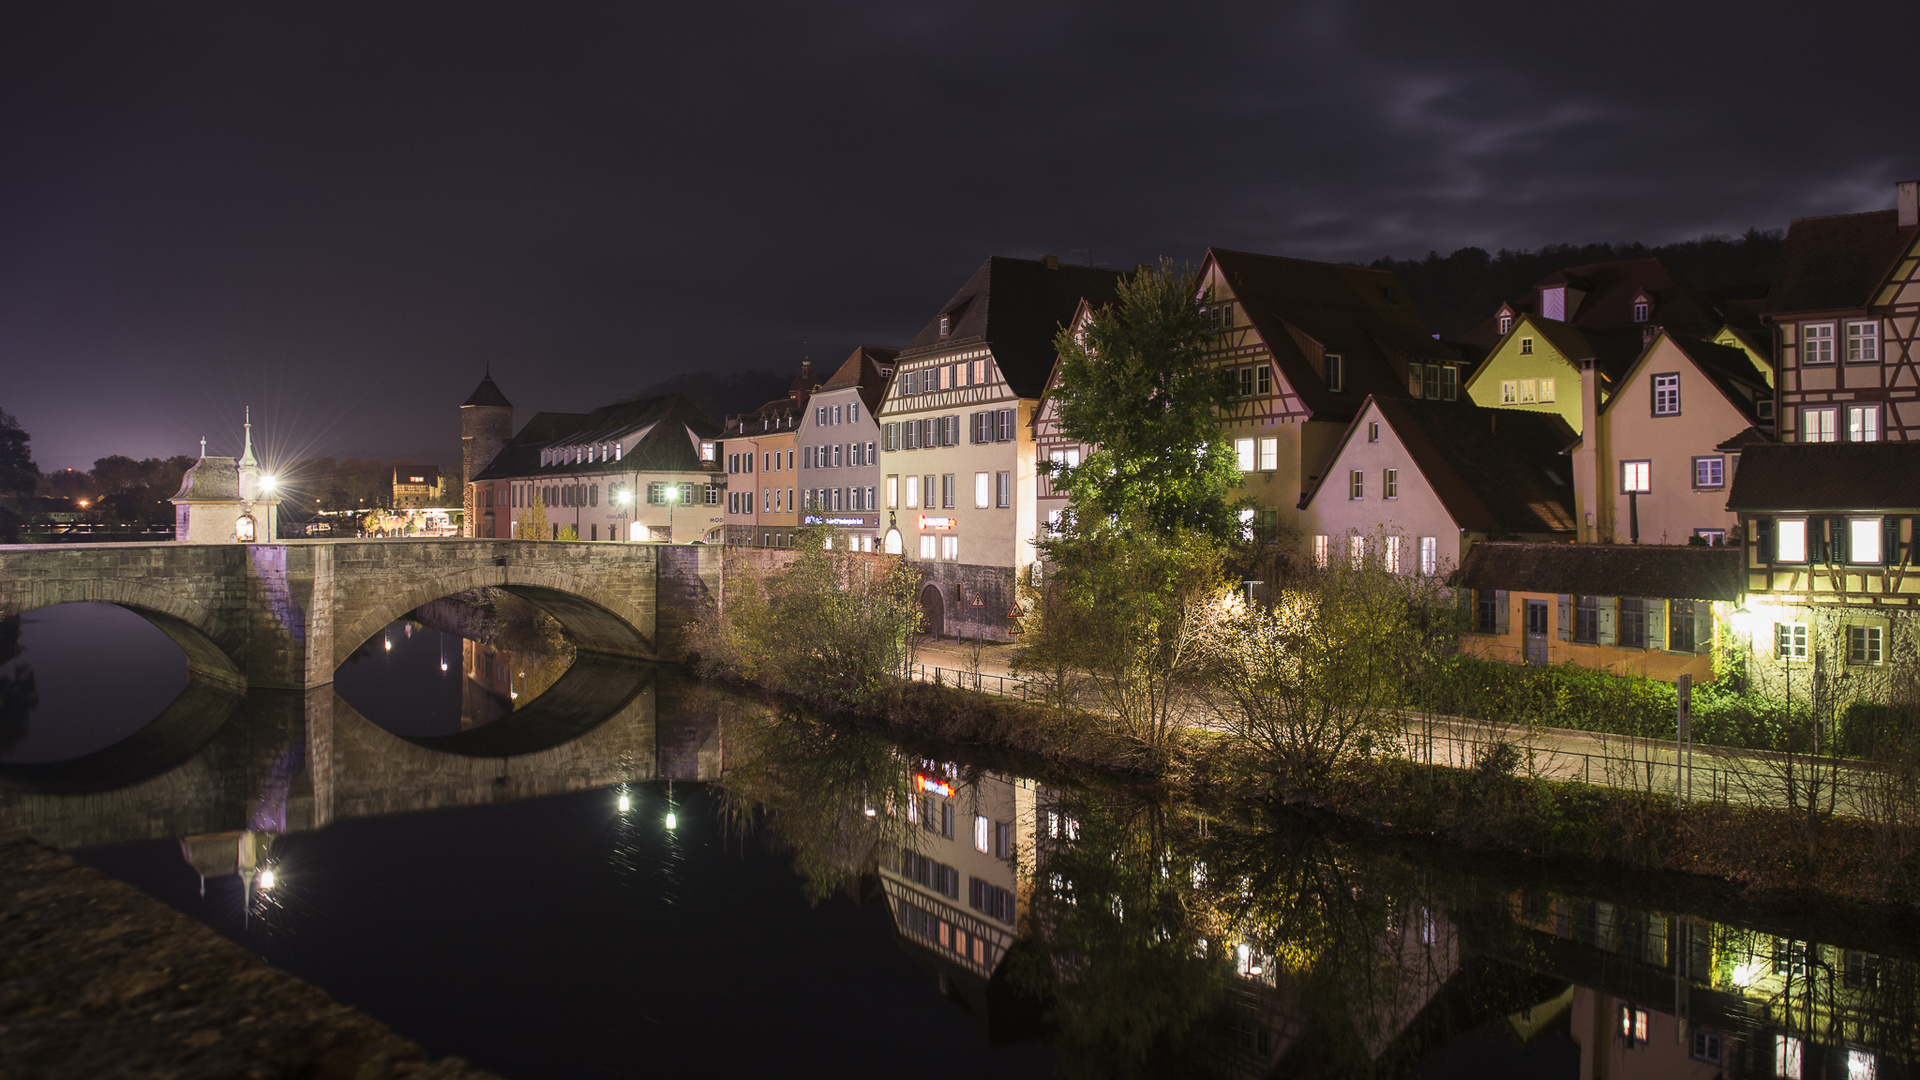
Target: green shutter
<point x="1890" y="541"/>
<point x="1836" y="541"/>
<point x="1656" y="624"/>
<point x="1566" y="617"/>
<point x="1500" y="605"/>
<point x="1703" y="626"/>
<point x="1764" y="541"/>
<point x="1608" y="610"/>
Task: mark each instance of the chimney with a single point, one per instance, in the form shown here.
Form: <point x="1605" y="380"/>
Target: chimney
<point x="1052" y="261"/>
<point x="1906" y="197"/>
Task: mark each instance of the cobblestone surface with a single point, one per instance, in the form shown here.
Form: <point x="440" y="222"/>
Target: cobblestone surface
<point x="100" y="981"/>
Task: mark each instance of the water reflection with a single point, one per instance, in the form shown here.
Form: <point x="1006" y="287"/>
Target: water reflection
<point x="78" y="678"/>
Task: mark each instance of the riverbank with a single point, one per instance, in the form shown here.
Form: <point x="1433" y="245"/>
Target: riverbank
<point x="100" y="980"/>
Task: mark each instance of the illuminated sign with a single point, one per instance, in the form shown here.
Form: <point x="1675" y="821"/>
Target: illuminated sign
<point x="815" y="519"/>
<point x="923" y="782"/>
<point x="935" y="522"/>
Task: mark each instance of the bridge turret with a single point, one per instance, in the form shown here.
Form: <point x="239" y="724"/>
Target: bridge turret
<point x="486" y="425"/>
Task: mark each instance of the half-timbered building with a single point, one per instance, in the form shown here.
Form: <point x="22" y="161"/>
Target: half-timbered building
<point x="1844" y="304"/>
<point x="957" y="457"/>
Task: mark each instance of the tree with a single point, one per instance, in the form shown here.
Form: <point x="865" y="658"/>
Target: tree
<point x="18" y="476"/>
<point x="532" y="523"/>
<point x="1135" y="385"/>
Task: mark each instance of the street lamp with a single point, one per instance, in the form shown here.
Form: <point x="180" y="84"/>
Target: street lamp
<point x="673" y="497"/>
<point x="624" y="497"/>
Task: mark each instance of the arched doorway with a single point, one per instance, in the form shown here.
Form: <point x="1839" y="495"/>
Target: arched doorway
<point x="893" y="541"/>
<point x="933" y="609"/>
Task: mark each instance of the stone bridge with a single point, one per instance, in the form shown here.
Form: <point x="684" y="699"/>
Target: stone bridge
<point x="285" y="615"/>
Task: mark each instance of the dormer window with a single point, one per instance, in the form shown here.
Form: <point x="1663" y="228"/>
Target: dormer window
<point x="706" y="451"/>
<point x="1336" y="372"/>
<point x="1553" y="303"/>
<point x="1641" y="310"/>
<point x="946" y="325"/>
<point x="1506" y="324"/>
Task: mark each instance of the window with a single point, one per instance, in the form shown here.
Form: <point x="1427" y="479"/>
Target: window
<point x="913" y="493"/>
<point x="1389" y="483"/>
<point x="929" y="546"/>
<point x="1416" y="384"/>
<point x="1321" y="542"/>
<point x="1509" y="392"/>
<point x="1450" y="382"/>
<point x="1816" y="343"/>
<point x="1390" y="554"/>
<point x="1243" y="449"/>
<point x="1633" y="622"/>
<point x="926" y="493"/>
<point x="1553" y="303"/>
<point x="946" y="491"/>
<point x="1586" y="619"/>
<point x="1263" y="383"/>
<point x="1786" y="1057"/>
<point x="1373" y="431"/>
<point x="1356" y="484"/>
<point x="1356" y="551"/>
<point x="1863" y="644"/>
<point x="1486" y="611"/>
<point x="1246" y="382"/>
<point x="1861" y="1065"/>
<point x="1863" y="423"/>
<point x="1633" y="1025"/>
<point x="1709" y="472"/>
<point x="891" y="435"/>
<point x="1666" y="394"/>
<point x="1433" y="381"/>
<point x="1546" y="390"/>
<point x="981" y="483"/>
<point x="1429" y="554"/>
<point x="1506" y="323"/>
<point x="1003" y="840"/>
<point x="1636" y="476"/>
<point x="1526" y="391"/>
<point x="1817" y="425"/>
<point x="950" y="547"/>
<point x="1269" y="455"/>
<point x="1790" y="641"/>
<point x="1790" y="540"/>
<point x="946" y="325"/>
<point x="1526" y="346"/>
<point x="1640" y="310"/>
<point x="1706" y="1046"/>
<point x="1863" y="342"/>
<point x="1863" y="541"/>
<point x="1003" y="490"/>
<point x="982" y="833"/>
<point x="1680" y="624"/>
<point x="1336" y="372"/>
<point x="893" y="493"/>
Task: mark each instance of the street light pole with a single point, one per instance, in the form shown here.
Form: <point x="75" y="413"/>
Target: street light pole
<point x="625" y="499"/>
<point x="673" y="497"/>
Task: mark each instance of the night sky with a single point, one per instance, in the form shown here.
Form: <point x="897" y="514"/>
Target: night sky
<point x="340" y="213"/>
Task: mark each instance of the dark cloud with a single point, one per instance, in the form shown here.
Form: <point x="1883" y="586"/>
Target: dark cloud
<point x="341" y="212"/>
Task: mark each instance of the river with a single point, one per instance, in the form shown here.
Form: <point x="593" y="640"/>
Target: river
<point x="676" y="879"/>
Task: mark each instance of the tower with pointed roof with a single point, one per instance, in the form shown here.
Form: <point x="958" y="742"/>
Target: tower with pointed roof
<point x="486" y="426"/>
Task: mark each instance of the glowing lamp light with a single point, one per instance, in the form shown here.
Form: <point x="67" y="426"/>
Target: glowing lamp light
<point x="268" y="483"/>
<point x="266" y="880"/>
<point x="870" y="811"/>
<point x="623" y="498"/>
<point x="625" y="804"/>
<point x="388" y="642"/>
<point x="923" y="782"/>
<point x="1744" y="974"/>
<point x="673" y="822"/>
<point x="1743" y="620"/>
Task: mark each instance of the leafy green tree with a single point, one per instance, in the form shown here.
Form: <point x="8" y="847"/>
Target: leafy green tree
<point x="1136" y="386"/>
<point x="532" y="523"/>
<point x="18" y="476"/>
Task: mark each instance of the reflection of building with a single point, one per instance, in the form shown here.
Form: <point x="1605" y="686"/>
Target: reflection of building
<point x="224" y="501"/>
<point x="486" y="684"/>
<point x="215" y="855"/>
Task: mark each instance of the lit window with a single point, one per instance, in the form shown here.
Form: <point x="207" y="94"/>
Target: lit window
<point x="1373" y="431"/>
<point x="1243" y="450"/>
<point x="950" y="547"/>
<point x="1357" y="551"/>
<point x="1636" y="476"/>
<point x="1818" y="425"/>
<point x="1863" y="423"/>
<point x="1790" y="540"/>
<point x="1429" y="554"/>
<point x="1416" y="384"/>
<point x="1863" y="644"/>
<point x="1356" y="484"/>
<point x="1546" y="390"/>
<point x="1526" y="391"/>
<point x="1816" y="343"/>
<point x="1509" y="392"/>
<point x="1390" y="554"/>
<point x="913" y="492"/>
<point x="1863" y="342"/>
<point x="1861" y="1065"/>
<point x="982" y="490"/>
<point x="1709" y="472"/>
<point x="1863" y="541"/>
<point x="1269" y="455"/>
<point x="1633" y="1025"/>
<point x="1526" y="346"/>
<point x="1321" y="543"/>
<point x="1336" y="372"/>
<point x="982" y="834"/>
<point x="1389" y="483"/>
<point x="1666" y="395"/>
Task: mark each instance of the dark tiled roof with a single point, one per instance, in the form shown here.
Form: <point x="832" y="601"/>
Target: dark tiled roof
<point x="1731" y="370"/>
<point x="1361" y="314"/>
<point x="1495" y="470"/>
<point x="210" y="478"/>
<point x="666" y="448"/>
<point x="1016" y="306"/>
<point x="1827" y="476"/>
<point x="868" y="368"/>
<point x="1611" y="288"/>
<point x="780" y="414"/>
<point x="1836" y="263"/>
<point x="1663" y="571"/>
<point x="487" y="394"/>
<point x="1745" y="437"/>
<point x="428" y="474"/>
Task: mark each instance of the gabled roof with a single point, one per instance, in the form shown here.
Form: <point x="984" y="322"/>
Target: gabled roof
<point x="1836" y="263"/>
<point x="1495" y="470"/>
<point x="1745" y="437"/>
<point x="210" y="479"/>
<point x="868" y="367"/>
<point x="1360" y="313"/>
<point x="1612" y="287"/>
<point x="1827" y="476"/>
<point x="1729" y="370"/>
<point x="665" y="447"/>
<point x="1015" y="307"/>
<point x="488" y="395"/>
<point x="1613" y="351"/>
<point x="1662" y="571"/>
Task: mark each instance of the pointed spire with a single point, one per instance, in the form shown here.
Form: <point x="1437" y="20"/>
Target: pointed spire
<point x="247" y="457"/>
<point x="203" y="446"/>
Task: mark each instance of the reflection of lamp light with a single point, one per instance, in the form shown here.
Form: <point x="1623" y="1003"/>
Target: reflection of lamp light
<point x="1743" y="974"/>
<point x="673" y="822"/>
<point x="388" y="642"/>
<point x="626" y="804"/>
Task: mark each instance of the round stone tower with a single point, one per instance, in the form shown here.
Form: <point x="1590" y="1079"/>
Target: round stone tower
<point x="486" y="425"/>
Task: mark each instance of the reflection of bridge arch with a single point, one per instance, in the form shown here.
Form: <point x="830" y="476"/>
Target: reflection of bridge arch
<point x="595" y="621"/>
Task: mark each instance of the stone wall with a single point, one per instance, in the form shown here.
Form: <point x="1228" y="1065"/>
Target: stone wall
<point x="959" y="585"/>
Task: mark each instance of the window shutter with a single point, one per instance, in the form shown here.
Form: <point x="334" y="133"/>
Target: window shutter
<point x="953" y="430"/>
<point x="1890" y="541"/>
<point x="1836" y="541"/>
<point x="1763" y="529"/>
<point x="1703" y="626"/>
<point x="1566" y="617"/>
<point x="1500" y="606"/>
<point x="1608" y="607"/>
<point x="1656" y="624"/>
<point x="1006" y="425"/>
